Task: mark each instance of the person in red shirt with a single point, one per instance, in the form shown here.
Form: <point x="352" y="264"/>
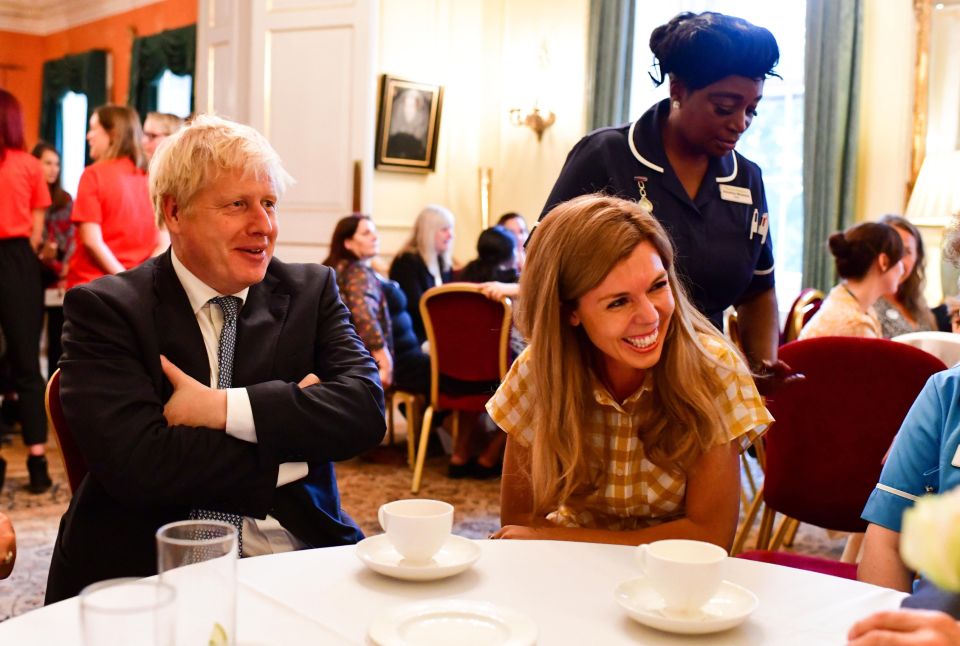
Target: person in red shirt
<point x="116" y="229"/>
<point x="24" y="199"/>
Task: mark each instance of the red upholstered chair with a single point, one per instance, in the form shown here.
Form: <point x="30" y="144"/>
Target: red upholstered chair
<point x="469" y="337"/>
<point x="72" y="458"/>
<point x="824" y="453"/>
<point x="802" y="310"/>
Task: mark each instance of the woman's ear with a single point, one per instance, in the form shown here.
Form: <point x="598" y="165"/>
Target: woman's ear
<point x="883" y="261"/>
<point x="573" y="318"/>
<point x="678" y="90"/>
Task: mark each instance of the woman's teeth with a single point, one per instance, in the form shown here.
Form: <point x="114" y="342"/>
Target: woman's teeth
<point x="642" y="342"/>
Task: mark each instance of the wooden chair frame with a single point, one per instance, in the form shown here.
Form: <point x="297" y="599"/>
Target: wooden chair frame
<point x="805" y="302"/>
<point x="503" y="349"/>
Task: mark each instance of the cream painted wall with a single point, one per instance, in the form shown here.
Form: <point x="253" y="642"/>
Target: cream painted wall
<point x="487" y="55"/>
<point x="886" y="108"/>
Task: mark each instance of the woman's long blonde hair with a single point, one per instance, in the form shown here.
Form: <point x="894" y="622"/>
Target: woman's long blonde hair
<point x="422" y="240"/>
<point x="572" y="251"/>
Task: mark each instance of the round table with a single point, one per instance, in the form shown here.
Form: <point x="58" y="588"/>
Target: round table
<point x="327" y="596"/>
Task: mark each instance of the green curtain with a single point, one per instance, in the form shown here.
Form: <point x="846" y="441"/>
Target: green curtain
<point x="610" y="62"/>
<point x="833" y="52"/>
<point x="174" y="49"/>
<point x="80" y="73"/>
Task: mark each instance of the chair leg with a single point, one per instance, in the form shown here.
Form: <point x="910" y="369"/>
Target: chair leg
<point x="746" y="469"/>
<point x="456" y="426"/>
<point x="390" y="404"/>
<point x="747" y="523"/>
<point x="851" y="551"/>
<point x="422" y="452"/>
<point x="791" y="534"/>
<point x="766" y="528"/>
<point x="413" y="423"/>
<point x="786" y="525"/>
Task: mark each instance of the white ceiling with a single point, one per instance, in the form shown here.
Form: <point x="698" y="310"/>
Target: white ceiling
<point x="47" y="16"/>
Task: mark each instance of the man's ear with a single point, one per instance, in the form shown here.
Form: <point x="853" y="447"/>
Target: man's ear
<point x="171" y="213"/>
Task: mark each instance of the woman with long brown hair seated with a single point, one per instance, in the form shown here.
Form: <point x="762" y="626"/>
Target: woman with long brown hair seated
<point x="626" y="413"/>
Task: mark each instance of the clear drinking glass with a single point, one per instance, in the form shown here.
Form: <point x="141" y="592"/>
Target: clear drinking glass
<point x="127" y="611"/>
<point x="199" y="559"/>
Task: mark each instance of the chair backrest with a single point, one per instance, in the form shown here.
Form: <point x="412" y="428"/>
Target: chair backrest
<point x="469" y="337"/>
<point x="943" y="345"/>
<point x="800" y="313"/>
<point x="824" y="452"/>
<point x="72" y="458"/>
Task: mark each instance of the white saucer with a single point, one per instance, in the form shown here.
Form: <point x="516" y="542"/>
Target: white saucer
<point x="728" y="608"/>
<point x="442" y="622"/>
<point x="456" y="555"/>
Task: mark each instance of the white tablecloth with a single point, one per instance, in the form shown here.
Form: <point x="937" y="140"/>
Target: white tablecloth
<point x="943" y="345"/>
<point x="328" y="596"/>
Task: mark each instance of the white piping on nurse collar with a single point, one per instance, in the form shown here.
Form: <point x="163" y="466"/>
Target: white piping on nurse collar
<point x="636" y="153"/>
<point x="659" y="169"/>
<point x="733" y="175"/>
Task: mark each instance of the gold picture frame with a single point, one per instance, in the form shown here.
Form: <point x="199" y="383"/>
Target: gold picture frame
<point x="408" y="125"/>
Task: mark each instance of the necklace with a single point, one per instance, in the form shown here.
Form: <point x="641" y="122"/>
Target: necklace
<point x="853" y="296"/>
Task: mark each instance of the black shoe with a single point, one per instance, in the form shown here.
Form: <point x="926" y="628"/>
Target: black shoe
<point x="39" y="477"/>
<point x="459" y="471"/>
<point x="481" y="472"/>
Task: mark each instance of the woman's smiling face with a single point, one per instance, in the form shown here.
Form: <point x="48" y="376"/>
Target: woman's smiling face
<point x="626" y="318"/>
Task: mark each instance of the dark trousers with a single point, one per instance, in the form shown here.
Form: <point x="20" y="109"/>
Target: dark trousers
<point x="21" y="319"/>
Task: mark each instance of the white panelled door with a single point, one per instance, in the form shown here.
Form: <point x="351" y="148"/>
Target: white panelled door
<point x="309" y="84"/>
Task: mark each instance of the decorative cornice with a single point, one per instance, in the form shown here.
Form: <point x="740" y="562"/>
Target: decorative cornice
<point x="43" y="17"/>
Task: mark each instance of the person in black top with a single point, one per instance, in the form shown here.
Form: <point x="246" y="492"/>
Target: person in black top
<point x="425" y="260"/>
<point x="678" y="161"/>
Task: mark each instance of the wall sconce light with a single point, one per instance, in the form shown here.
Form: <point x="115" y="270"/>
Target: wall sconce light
<point x="536" y="119"/>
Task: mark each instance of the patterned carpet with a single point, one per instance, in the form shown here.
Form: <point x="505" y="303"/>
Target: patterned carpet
<point x="365" y="484"/>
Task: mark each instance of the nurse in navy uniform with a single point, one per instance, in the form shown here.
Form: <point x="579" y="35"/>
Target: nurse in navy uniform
<point x="678" y="161"/>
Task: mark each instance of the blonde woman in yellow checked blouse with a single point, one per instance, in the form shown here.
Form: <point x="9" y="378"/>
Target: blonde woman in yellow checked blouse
<point x="626" y="413"/>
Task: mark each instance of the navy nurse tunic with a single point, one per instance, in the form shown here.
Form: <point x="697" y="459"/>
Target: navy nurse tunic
<point x="724" y="253"/>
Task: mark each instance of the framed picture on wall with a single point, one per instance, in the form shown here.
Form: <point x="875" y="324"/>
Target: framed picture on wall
<point x="408" y="125"/>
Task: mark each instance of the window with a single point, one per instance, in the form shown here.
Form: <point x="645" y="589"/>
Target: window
<point x="73" y="140"/>
<point x="775" y="138"/>
<point x="173" y="93"/>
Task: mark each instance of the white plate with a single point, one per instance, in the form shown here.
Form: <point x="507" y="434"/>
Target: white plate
<point x="443" y="622"/>
<point x="456" y="555"/>
<point x="728" y="608"/>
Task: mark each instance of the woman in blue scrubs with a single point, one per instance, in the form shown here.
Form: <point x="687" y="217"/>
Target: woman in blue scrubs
<point x="678" y="161"/>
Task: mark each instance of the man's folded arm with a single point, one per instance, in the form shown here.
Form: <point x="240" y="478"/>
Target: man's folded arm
<point x="335" y="419"/>
<point x="112" y="403"/>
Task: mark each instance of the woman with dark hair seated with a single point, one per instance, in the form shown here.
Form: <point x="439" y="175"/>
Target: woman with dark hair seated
<point x="868" y="261"/>
<point x="496" y="258"/>
<point x="354" y="244"/>
<point x="678" y="162"/>
<point x="905" y="310"/>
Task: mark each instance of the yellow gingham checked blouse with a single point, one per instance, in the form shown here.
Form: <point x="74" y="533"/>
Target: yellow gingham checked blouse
<point x="637" y="493"/>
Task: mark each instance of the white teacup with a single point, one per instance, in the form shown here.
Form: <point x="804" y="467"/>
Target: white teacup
<point x="417" y="528"/>
<point x="687" y="574"/>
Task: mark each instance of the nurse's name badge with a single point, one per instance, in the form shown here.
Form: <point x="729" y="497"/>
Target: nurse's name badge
<point x="738" y="194"/>
<point x="644" y="202"/>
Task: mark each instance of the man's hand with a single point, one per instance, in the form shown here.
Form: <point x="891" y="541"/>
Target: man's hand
<point x="774" y="375"/>
<point x="8" y="547"/>
<point x="192" y="403"/>
<point x="384" y="366"/>
<point x="905" y="628"/>
<point x="310" y="380"/>
<point x="519" y="532"/>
